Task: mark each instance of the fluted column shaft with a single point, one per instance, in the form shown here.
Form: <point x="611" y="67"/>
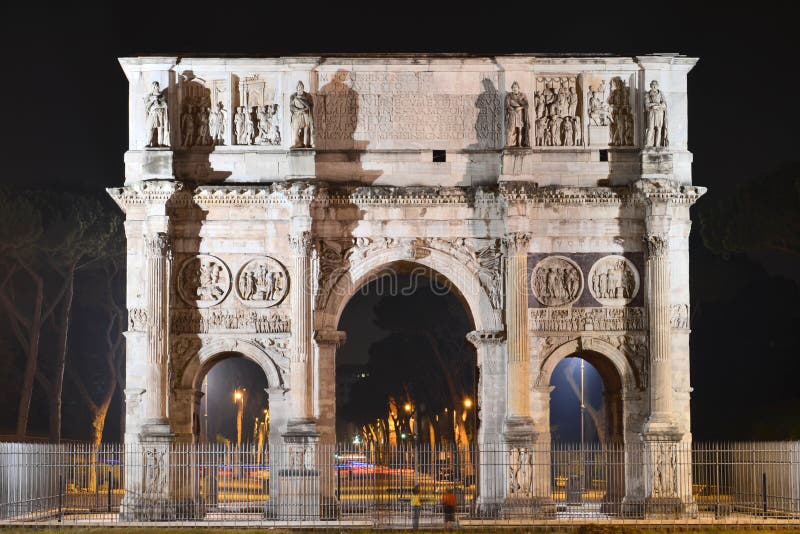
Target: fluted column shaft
<point x="301" y="372"/>
<point x="517" y="324"/>
<point x="158" y="257"/>
<point x="658" y="302"/>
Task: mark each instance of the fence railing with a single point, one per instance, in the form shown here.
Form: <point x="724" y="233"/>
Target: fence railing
<point x="207" y="483"/>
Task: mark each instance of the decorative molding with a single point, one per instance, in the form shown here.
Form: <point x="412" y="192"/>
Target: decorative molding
<point x="204" y="321"/>
<point x="586" y="319"/>
<point x="330" y="337"/>
<point x="486" y="337"/>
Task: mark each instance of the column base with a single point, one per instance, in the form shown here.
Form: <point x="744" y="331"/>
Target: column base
<point x="661" y="427"/>
<point x="298" y="489"/>
<point x="528" y="507"/>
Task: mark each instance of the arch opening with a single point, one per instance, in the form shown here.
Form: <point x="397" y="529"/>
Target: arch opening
<point x="407" y="374"/>
<point x="233" y="401"/>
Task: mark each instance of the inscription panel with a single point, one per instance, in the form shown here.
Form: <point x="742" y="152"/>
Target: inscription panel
<point x="360" y="109"/>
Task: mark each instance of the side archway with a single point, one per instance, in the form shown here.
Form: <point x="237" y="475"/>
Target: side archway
<point x="211" y="353"/>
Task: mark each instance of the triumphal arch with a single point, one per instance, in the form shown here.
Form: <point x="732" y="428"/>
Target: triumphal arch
<point x="552" y="192"/>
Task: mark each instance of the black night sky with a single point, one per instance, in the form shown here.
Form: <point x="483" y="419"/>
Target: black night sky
<point x="65" y="127"/>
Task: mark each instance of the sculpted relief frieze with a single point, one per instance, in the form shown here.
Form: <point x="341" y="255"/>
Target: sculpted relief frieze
<point x="558" y="119"/>
<point x="203" y="281"/>
<point x="204" y="321"/>
<point x="556" y="281"/>
<point x="585" y="319"/>
<point x="614" y="281"/>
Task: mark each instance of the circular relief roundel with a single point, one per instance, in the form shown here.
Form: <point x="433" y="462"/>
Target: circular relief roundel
<point x="204" y="281"/>
<point x="614" y="281"/>
<point x="557" y="281"/>
<point x="262" y="282"/>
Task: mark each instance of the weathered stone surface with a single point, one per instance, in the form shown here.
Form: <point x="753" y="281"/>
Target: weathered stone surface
<point x="561" y="230"/>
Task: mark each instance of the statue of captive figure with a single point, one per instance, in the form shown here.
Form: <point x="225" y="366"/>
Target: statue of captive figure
<point x="302" y="107"/>
<point x="155" y="105"/>
<point x="517" y="120"/>
<point x="655" y="106"/>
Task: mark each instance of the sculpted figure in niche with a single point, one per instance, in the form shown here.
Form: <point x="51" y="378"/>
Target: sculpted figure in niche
<point x="217" y="124"/>
<point x="655" y="106"/>
<point x="250" y="128"/>
<point x="302" y="107"/>
<point x="517" y="118"/>
<point x="240" y="126"/>
<point x="187" y="127"/>
<point x="621" y="115"/>
<point x="157" y="122"/>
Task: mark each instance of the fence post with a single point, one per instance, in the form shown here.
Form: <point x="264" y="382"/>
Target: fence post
<point x="764" y="492"/>
<point x="60" y="496"/>
<point x="109" y="491"/>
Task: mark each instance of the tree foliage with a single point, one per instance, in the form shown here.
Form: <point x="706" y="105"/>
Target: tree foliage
<point x="47" y="237"/>
<point x="762" y="214"/>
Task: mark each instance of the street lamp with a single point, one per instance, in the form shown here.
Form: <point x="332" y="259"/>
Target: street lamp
<point x="238" y="399"/>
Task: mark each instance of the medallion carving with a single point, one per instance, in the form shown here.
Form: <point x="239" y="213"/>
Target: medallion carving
<point x="557" y="281"/>
<point x="614" y="281"/>
<point x="262" y="282"/>
<point x="204" y="281"/>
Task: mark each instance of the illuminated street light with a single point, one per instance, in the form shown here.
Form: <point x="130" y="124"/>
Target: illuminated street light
<point x="407" y="407"/>
<point x="467" y="403"/>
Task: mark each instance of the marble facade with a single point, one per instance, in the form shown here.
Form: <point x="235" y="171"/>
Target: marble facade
<point x="260" y="194"/>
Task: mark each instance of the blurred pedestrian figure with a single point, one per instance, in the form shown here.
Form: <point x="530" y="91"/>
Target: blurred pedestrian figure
<point x="416" y="506"/>
<point x="449" y="508"/>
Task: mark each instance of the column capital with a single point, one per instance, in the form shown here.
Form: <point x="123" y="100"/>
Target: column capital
<point x="517" y="242"/>
<point x="479" y="338"/>
<point x="656" y="245"/>
<point x="158" y="245"/>
<point x="301" y="243"/>
<point x="330" y="337"/>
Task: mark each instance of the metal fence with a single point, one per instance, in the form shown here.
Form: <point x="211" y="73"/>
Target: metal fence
<point x="359" y="485"/>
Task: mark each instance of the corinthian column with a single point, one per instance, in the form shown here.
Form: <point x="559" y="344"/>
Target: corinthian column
<point x="301" y="372"/>
<point x="518" y="421"/>
<point x="157" y="286"/>
<point x="658" y="291"/>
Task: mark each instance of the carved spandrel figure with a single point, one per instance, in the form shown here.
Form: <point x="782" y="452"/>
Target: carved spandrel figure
<point x="655" y="106"/>
<point x="301" y="106"/>
<point x="517" y="119"/>
<point x="157" y="122"/>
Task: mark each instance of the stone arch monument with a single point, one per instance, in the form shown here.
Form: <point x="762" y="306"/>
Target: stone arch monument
<point x="552" y="192"/>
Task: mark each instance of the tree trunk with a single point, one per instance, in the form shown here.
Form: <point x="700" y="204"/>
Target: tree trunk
<point x="57" y="381"/>
<point x="31" y="355"/>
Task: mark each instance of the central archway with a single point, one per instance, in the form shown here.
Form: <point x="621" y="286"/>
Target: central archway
<point x="458" y="271"/>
